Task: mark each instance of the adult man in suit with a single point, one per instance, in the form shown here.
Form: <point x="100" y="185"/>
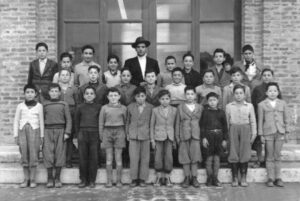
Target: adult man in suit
<point x="140" y="64"/>
<point x="42" y="70"/>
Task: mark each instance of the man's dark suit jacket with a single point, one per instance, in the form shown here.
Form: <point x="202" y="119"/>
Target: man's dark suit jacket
<point x="135" y="68"/>
<point x="42" y="81"/>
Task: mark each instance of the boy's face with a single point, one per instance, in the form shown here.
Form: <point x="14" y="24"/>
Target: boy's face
<point x="213" y="102"/>
<point x="42" y="52"/>
<point x="272" y="92"/>
<point x="89" y="95"/>
<point x="209" y="78"/>
<point x="93" y="75"/>
<point x="141" y="49"/>
<point x="248" y="56"/>
<point x="150" y="78"/>
<point x="190" y="96"/>
<point x="140" y="98"/>
<point x="170" y="64"/>
<point x="236" y="77"/>
<point x="88" y="55"/>
<point x="113" y="97"/>
<point x="165" y="100"/>
<point x="219" y="58"/>
<point x="239" y="95"/>
<point x="126" y="76"/>
<point x="227" y="67"/>
<point x="177" y="77"/>
<point x="267" y="77"/>
<point x="66" y="62"/>
<point x="188" y="63"/>
<point x="30" y="94"/>
<point x="54" y="93"/>
<point x="65" y="76"/>
<point x="113" y="64"/>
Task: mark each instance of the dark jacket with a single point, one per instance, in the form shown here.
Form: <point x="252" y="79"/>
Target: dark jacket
<point x="135" y="69"/>
<point x="193" y="78"/>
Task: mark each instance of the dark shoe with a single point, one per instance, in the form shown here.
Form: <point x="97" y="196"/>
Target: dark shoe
<point x="58" y="184"/>
<point x="108" y="184"/>
<point x="278" y="182"/>
<point x="92" y="185"/>
<point x="50" y="183"/>
<point x="256" y="164"/>
<point x="168" y="182"/>
<point x="263" y="164"/>
<point x="133" y="183"/>
<point x="82" y="184"/>
<point x="69" y="165"/>
<point x="24" y="184"/>
<point x="142" y="183"/>
<point x="270" y="183"/>
<point x="216" y="182"/>
<point x="119" y="184"/>
<point x="209" y="181"/>
<point x="186" y="182"/>
<point x="195" y="182"/>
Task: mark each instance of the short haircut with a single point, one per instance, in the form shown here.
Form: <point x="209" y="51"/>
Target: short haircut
<point x="212" y="94"/>
<point x="188" y="54"/>
<point x="169" y="57"/>
<point x="219" y="50"/>
<point x="64" y="55"/>
<point x="113" y="56"/>
<point x="177" y="69"/>
<point x="151" y="70"/>
<point x="163" y="92"/>
<point x="89" y="87"/>
<point x="54" y="85"/>
<point x="125" y="68"/>
<point x="277" y="86"/>
<point x="236" y="69"/>
<point x="64" y="69"/>
<point x="113" y="89"/>
<point x="209" y="71"/>
<point x="267" y="70"/>
<point x="30" y="86"/>
<point x="139" y="90"/>
<point x="188" y="88"/>
<point x="88" y="47"/>
<point x="228" y="59"/>
<point x="94" y="67"/>
<point x="247" y="47"/>
<point x="238" y="86"/>
<point x="41" y="44"/>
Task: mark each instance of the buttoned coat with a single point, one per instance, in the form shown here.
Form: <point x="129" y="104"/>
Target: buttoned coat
<point x="223" y="80"/>
<point x="272" y="120"/>
<point x="138" y="124"/>
<point x="187" y="123"/>
<point x="152" y="98"/>
<point x="162" y="126"/>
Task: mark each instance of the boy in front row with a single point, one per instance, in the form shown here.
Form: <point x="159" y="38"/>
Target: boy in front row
<point x="138" y="135"/>
<point x="58" y="125"/>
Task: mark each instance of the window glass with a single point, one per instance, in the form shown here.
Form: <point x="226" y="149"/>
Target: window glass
<point x="173" y="9"/>
<point x="124" y="32"/>
<point x="124" y="9"/>
<point x="79" y="9"/>
<point x="216" y="10"/>
<point x="174" y="33"/>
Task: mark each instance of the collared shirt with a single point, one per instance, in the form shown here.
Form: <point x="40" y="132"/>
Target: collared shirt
<point x="273" y="102"/>
<point x="81" y="73"/>
<point x="141" y="107"/>
<point x="42" y="64"/>
<point x="191" y="107"/>
<point x="243" y="113"/>
<point x="142" y="61"/>
<point x="177" y="92"/>
<point x="111" y="79"/>
<point x="251" y="71"/>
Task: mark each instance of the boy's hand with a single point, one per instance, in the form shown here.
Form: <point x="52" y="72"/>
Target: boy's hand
<point x="153" y="144"/>
<point x="262" y="139"/>
<point x="66" y="136"/>
<point x="17" y="142"/>
<point x="75" y="142"/>
<point x="252" y="138"/>
<point x="205" y="142"/>
<point x="224" y="144"/>
<point x="42" y="140"/>
<point x="174" y="145"/>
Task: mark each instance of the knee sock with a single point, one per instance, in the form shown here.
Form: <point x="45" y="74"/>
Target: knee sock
<point x="50" y="173"/>
<point x="187" y="170"/>
<point x="57" y="173"/>
<point x="208" y="166"/>
<point x="216" y="165"/>
<point x="194" y="168"/>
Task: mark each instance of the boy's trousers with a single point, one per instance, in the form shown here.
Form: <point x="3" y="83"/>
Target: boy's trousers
<point x="139" y="152"/>
<point x="88" y="142"/>
<point x="29" y="143"/>
<point x="163" y="156"/>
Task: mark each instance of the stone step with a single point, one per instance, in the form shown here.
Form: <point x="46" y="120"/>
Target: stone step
<point x="13" y="174"/>
<point x="289" y="153"/>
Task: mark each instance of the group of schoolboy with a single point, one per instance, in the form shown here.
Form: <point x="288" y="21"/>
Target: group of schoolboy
<point x="197" y="117"/>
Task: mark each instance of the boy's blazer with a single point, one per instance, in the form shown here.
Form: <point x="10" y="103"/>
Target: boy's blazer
<point x="187" y="123"/>
<point x="138" y="125"/>
<point x="153" y="98"/>
<point x="162" y="127"/>
<point x="35" y="75"/>
<point x="223" y="80"/>
<point x="135" y="69"/>
<point x="272" y="120"/>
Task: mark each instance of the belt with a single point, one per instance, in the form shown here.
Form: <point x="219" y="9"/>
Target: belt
<point x="215" y="130"/>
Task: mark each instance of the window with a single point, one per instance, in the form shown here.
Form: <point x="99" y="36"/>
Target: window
<point x="173" y="27"/>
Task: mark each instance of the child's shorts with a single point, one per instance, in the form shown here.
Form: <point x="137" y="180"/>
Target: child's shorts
<point x="114" y="137"/>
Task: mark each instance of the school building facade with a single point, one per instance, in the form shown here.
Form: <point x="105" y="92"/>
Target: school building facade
<point x="172" y="26"/>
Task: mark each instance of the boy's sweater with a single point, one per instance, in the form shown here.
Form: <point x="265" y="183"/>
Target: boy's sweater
<point x="86" y="117"/>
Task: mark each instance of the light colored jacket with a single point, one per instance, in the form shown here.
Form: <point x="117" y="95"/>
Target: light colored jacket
<point x="162" y="126"/>
<point x="272" y="120"/>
